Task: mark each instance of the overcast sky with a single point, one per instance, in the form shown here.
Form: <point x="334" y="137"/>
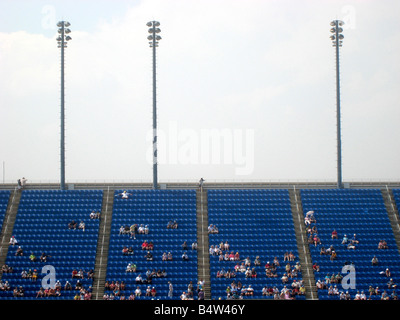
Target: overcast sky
<point x="245" y="90"/>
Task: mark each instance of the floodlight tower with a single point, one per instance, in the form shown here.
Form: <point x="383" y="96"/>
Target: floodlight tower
<point x="154" y="37"/>
<point x="62" y="40"/>
<point x="337" y="40"/>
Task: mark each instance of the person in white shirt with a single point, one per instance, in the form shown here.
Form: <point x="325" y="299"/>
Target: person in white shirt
<point x="138" y="292"/>
<point x="82" y="226"/>
<point x="13" y="241"/>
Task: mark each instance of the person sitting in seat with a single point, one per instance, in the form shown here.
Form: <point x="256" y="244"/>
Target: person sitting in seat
<point x="382" y="244"/>
<point x="32" y="257"/>
<point x="145" y="245"/>
<point x="82" y="226"/>
<point x="149" y="256"/>
<point x="13" y="241"/>
<point x="72" y="225"/>
<point x="141" y="229"/>
<point x="185" y="257"/>
<point x="124" y="195"/>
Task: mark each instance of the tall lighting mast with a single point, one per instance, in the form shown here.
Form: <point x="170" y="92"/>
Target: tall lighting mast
<point x="337" y="40"/>
<point x="154" y="37"/>
<point x="62" y="40"/>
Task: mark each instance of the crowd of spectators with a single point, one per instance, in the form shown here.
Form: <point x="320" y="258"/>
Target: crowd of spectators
<point x="332" y="282"/>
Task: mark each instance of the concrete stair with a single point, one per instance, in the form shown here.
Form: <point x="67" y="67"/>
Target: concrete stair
<point x="393" y="213"/>
<point x="100" y="269"/>
<point x="203" y="257"/>
<point x="302" y="245"/>
<point x="8" y="224"/>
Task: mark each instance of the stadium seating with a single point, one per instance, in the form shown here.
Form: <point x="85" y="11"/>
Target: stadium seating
<point x="4" y="197"/>
<point x="361" y="212"/>
<point x="396" y="194"/>
<point x="154" y="208"/>
<point x="255" y="223"/>
<point x="42" y="226"/>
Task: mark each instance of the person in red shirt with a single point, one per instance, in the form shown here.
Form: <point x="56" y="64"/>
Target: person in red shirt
<point x="334" y="234"/>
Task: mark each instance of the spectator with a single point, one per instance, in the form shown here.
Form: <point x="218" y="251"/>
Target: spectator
<point x="6" y="269"/>
<point x="164" y="256"/>
<point x="382" y="244"/>
<point x="316" y="240"/>
<point x="184" y="296"/>
<point x="146" y="229"/>
<point x="19" y="252"/>
<point x="345" y="239"/>
<point x="13" y="241"/>
<point x="74" y="274"/>
<point x="131" y="267"/>
<point x="185" y="257"/>
<point x="212" y="229"/>
<point x="133" y="230"/>
<point x="23" y="182"/>
<point x="43" y="257"/>
<point x="149" y="256"/>
<point x="32" y="257"/>
<point x="333" y="255"/>
<point x="374" y="261"/>
<point x="351" y="246"/>
<point x="237" y="256"/>
<point x="315" y="267"/>
<point x="138" y="292"/>
<point x="82" y="226"/>
<point x="93" y="215"/>
<point x="124" y="195"/>
<point x="90" y="274"/>
<point x="384" y="295"/>
<point x="72" y="225"/>
<point x="391" y="284"/>
<point x="139" y="278"/>
<point x="286" y="256"/>
<point x="334" y="234"/>
<point x="145" y="245"/>
<point x="200" y="295"/>
<point x="201" y="182"/>
<point x="170" y="290"/>
<point x="184" y="245"/>
<point x="194" y="245"/>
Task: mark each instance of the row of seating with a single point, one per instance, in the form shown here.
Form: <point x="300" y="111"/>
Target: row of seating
<point x="254" y="222"/>
<point x="38" y="229"/>
<point x="154" y="208"/>
<point x="349" y="211"/>
<point x="270" y="235"/>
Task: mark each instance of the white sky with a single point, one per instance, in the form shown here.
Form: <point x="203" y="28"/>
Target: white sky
<point x="246" y="90"/>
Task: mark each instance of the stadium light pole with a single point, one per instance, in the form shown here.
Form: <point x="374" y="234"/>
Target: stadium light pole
<point x="337" y="40"/>
<point x="62" y="40"/>
<point x="154" y="37"/>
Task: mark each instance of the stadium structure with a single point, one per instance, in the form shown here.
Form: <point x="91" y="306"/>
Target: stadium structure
<point x="264" y="220"/>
